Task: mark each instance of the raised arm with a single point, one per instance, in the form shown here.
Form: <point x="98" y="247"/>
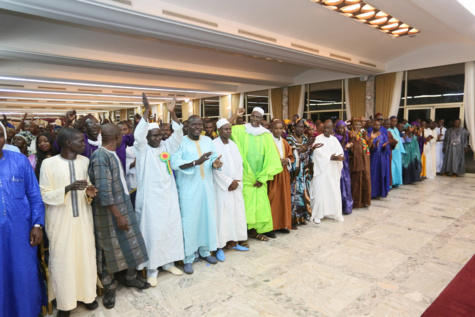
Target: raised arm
<point x="70" y="117"/>
<point x="171" y="110"/>
<point x="239" y="113"/>
<point x="141" y="130"/>
<point x="22" y="124"/>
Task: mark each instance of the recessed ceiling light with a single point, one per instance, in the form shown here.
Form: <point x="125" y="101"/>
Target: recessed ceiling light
<point x="368" y="14"/>
<point x="333" y="2"/>
<point x="390" y="26"/>
<point x="367" y="8"/>
<point x="378" y="21"/>
<point x="401" y="31"/>
<point x="351" y="8"/>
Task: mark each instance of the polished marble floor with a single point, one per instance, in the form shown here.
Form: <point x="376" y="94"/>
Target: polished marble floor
<point x="391" y="259"/>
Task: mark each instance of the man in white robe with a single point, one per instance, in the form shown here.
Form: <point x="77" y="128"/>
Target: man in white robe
<point x="157" y="206"/>
<point x="429" y="150"/>
<point x="67" y="194"/>
<point x="325" y="192"/>
<point x="439" y="146"/>
<point x="230" y="213"/>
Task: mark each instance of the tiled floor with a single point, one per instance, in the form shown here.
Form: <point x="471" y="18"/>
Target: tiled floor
<point x="391" y="259"/>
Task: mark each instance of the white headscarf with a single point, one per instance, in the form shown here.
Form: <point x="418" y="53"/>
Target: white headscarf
<point x="221" y="122"/>
<point x="258" y="109"/>
<point x="153" y="125"/>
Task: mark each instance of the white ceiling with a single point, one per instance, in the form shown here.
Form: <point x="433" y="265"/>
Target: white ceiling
<point x="131" y="47"/>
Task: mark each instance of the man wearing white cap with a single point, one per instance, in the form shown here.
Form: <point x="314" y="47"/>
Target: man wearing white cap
<point x="261" y="162"/>
<point x="157" y="206"/>
<point x="230" y="212"/>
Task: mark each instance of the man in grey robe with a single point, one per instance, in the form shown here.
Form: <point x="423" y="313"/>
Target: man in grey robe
<point x="455" y="147"/>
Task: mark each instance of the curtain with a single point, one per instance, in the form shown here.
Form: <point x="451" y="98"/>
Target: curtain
<point x="396" y="101"/>
<point x="165" y="114"/>
<point x="301" y="101"/>
<point x="277" y="96"/>
<point x="469" y="101"/>
<point x="269" y="104"/>
<point x="224" y="106"/>
<point x="384" y="91"/>
<point x="196" y="106"/>
<point x="357" y="97"/>
<point x="347" y="100"/>
<point x="234" y="102"/>
<point x="294" y="99"/>
<point x="123" y="114"/>
<point x="185" y="110"/>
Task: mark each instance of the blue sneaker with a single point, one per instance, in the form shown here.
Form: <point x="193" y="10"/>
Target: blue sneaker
<point x="188" y="268"/>
<point x="240" y="248"/>
<point x="220" y="255"/>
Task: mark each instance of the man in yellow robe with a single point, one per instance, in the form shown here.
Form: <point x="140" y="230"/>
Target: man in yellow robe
<point x="67" y="194"/>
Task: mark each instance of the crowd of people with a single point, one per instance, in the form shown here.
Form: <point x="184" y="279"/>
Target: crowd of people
<point x="114" y="199"/>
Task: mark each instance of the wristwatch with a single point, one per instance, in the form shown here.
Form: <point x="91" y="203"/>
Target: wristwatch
<point x="38" y="226"/>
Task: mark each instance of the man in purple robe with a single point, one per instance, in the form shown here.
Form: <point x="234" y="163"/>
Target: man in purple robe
<point x="379" y="161"/>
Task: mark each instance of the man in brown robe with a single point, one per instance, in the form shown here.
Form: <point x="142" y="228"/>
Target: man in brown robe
<point x="278" y="189"/>
<point x="360" y="170"/>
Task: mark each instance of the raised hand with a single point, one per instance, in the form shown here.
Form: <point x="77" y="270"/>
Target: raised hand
<point x="375" y="135"/>
<point x="217" y="163"/>
<point x="303" y="149"/>
<point x="171" y="105"/>
<point x="203" y="158"/>
<point x="71" y="116"/>
<point x="317" y="145"/>
<point x="335" y="157"/>
<point x="240" y="112"/>
<point x="145" y="103"/>
<point x="91" y="191"/>
<point x="77" y="185"/>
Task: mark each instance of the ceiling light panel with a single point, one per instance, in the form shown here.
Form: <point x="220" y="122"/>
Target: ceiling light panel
<point x="366" y="13"/>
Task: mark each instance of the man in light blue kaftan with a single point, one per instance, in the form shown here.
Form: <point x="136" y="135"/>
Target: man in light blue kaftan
<point x="21" y="220"/>
<point x="194" y="162"/>
<point x="396" y="159"/>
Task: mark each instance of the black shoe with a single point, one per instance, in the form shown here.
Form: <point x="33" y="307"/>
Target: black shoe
<point x="109" y="299"/>
<point x="286" y="231"/>
<point x="92" y="306"/>
<point x="137" y="283"/>
<point x="63" y="313"/>
<point x="270" y="234"/>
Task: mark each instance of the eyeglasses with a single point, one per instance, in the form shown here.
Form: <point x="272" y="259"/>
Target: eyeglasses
<point x="253" y="117"/>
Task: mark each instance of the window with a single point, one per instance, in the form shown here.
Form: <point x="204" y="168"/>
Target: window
<point x="433" y="93"/>
<point x="130" y="114"/>
<point x="435" y="85"/>
<point x="257" y="99"/>
<point x="178" y="110"/>
<point x="325" y="101"/>
<point x="210" y="107"/>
